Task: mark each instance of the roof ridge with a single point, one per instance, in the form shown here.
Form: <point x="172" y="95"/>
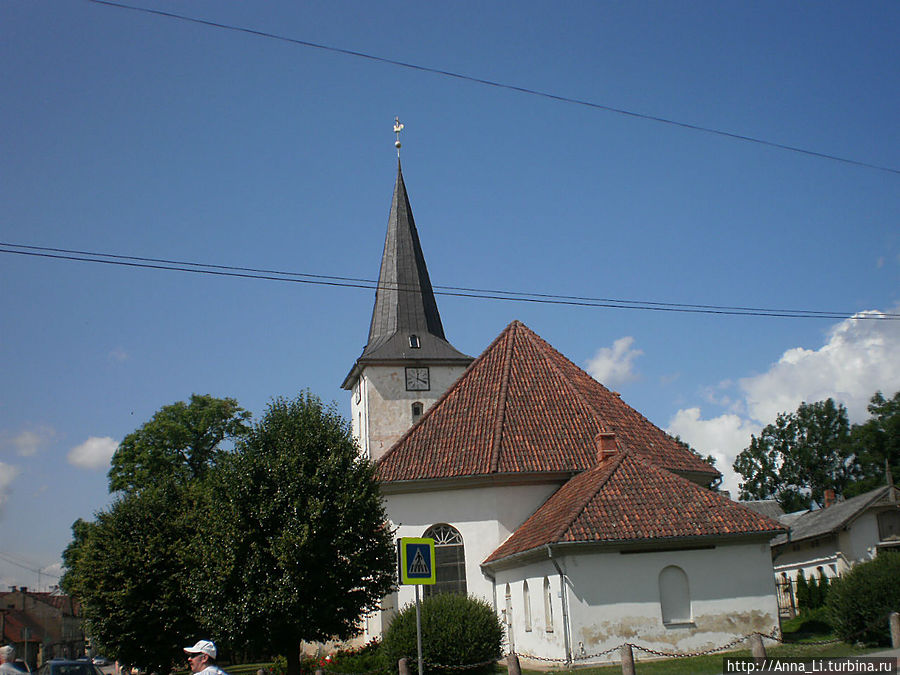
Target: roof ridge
<point x="500" y="408"/>
<point x="453" y="387"/>
<point x="609" y="466"/>
<point x="547" y="351"/>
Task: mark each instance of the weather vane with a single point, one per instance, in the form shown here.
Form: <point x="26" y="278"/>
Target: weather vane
<point x="397" y="129"/>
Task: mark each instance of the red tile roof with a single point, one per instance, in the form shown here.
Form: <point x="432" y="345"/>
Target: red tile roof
<point x="626" y="499"/>
<point x="523" y="407"/>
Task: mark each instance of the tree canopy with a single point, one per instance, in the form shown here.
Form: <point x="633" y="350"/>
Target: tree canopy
<point x="127" y="569"/>
<point x="293" y="542"/>
<point x="803" y="453"/>
<point x="180" y="442"/>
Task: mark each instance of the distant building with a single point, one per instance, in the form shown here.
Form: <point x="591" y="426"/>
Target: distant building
<point x="827" y="542"/>
<point x="584" y="525"/>
<point x="41" y="626"/>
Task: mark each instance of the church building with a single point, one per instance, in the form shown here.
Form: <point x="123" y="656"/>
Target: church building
<point x="580" y="521"/>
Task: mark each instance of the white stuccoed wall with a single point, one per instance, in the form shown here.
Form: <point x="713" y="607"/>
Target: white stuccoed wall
<point x="384" y="410"/>
<point x="614" y="598"/>
<point x="485" y="517"/>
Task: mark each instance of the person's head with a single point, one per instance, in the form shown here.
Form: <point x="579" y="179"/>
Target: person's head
<point x="7" y="654"/>
<point x="201" y="655"/>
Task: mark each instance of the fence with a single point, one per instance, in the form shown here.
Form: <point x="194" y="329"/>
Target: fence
<point x="626" y="653"/>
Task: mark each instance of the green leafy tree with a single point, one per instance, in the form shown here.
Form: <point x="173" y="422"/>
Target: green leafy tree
<point x="293" y="543"/>
<point x="181" y="442"/>
<point x="876" y="443"/>
<point x="127" y="570"/>
<point x="799" y="456"/>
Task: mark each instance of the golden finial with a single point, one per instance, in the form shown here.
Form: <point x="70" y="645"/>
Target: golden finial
<point x="397" y="129"/>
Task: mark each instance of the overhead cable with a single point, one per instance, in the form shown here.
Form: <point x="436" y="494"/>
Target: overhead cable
<point x="501" y="85"/>
<point x="464" y="292"/>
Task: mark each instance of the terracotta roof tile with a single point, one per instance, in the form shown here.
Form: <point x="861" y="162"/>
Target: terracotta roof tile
<point x="523" y="407"/>
<point x="626" y="499"/>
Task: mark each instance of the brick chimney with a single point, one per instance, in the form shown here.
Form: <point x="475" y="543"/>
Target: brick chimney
<point x="606" y="445"/>
<point x="829" y="497"/>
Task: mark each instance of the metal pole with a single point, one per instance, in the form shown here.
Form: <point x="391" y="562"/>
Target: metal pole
<point x="419" y="630"/>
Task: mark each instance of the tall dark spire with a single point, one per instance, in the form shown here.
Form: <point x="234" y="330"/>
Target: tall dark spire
<point x="405" y="322"/>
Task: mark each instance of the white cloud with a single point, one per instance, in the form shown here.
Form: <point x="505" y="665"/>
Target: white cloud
<point x="118" y="355"/>
<point x="28" y="443"/>
<point x="94" y="453"/>
<point x="8" y="474"/>
<point x="614" y="365"/>
<point x="858" y="359"/>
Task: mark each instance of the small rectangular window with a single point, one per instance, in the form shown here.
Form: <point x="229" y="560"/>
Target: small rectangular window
<point x="414" y="341"/>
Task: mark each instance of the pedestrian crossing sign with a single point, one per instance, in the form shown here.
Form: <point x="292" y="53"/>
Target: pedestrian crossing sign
<point x="415" y="557"/>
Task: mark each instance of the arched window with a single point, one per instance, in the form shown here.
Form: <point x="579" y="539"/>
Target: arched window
<point x="526" y="605"/>
<point x="674" y="595"/>
<point x="449" y="560"/>
<point x="417" y="410"/>
<point x="548" y="607"/>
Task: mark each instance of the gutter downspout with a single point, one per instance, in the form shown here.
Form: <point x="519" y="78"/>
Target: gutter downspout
<point x="564" y="591"/>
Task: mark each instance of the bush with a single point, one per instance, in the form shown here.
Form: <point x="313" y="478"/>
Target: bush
<point x="365" y="659"/>
<point x="811" y="623"/>
<point x="457" y="630"/>
<point x="859" y="603"/>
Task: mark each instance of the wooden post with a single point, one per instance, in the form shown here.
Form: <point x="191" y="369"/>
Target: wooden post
<point x="512" y="664"/>
<point x="895" y="629"/>
<point x="757" y="648"/>
<point x="403" y="666"/>
<point x="627" y="659"/>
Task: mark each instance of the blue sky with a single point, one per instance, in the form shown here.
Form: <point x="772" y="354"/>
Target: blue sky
<point x="141" y="135"/>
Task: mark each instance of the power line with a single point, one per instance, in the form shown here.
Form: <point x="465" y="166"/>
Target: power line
<point x="502" y="85"/>
<point x="372" y="284"/>
<point x="8" y="558"/>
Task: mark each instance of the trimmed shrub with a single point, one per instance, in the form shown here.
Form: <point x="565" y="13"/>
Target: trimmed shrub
<point x="802" y="592"/>
<point x="859" y="602"/>
<point x="457" y="630"/>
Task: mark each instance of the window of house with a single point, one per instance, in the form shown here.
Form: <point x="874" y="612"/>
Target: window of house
<point x="417" y="409"/>
<point x="548" y="607"/>
<point x="414" y="341"/>
<point x="674" y="595"/>
<point x="449" y="560"/>
<point x="526" y="605"/>
<point x="888" y="525"/>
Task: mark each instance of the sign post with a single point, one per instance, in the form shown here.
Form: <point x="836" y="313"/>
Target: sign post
<point x="415" y="562"/>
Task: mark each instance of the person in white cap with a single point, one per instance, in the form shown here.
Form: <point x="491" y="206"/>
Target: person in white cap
<point x="202" y="658"/>
<point x="7" y="656"/>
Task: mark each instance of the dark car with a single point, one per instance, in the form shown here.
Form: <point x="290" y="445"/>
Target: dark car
<point x="60" y="667"/>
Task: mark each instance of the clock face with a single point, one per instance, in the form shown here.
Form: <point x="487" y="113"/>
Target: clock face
<point x="417" y="379"/>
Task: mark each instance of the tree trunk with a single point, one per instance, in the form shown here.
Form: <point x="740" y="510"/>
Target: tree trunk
<point x="293" y="660"/>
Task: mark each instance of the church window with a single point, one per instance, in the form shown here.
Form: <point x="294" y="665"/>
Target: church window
<point x="417" y="409"/>
<point x="414" y="342"/>
<point x="449" y="560"/>
<point x="526" y="605"/>
<point x="888" y="525"/>
<point x="548" y="607"/>
<point x="674" y="595"/>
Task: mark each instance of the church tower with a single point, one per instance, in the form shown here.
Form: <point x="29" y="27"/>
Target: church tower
<point x="407" y="363"/>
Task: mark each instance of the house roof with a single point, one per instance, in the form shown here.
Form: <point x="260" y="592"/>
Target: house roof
<point x="522" y="407"/>
<point x="767" y="507"/>
<point x="628" y="499"/>
<point x="404" y="300"/>
<point x="14" y="624"/>
<point x="825" y="521"/>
